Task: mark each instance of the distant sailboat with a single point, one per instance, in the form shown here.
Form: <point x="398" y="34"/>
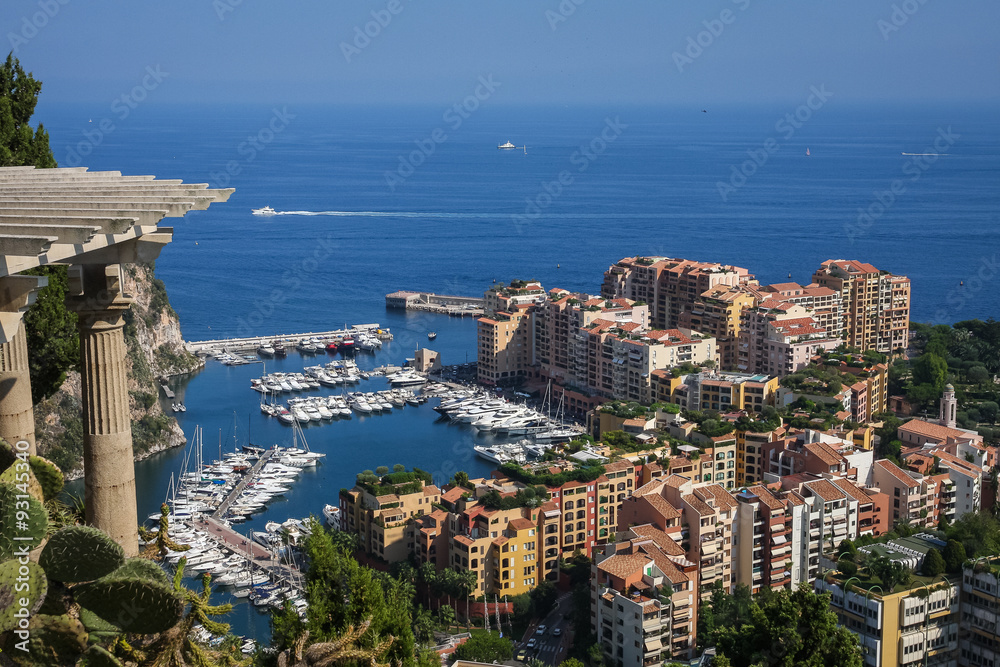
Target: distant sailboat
<point x="807" y="152"/>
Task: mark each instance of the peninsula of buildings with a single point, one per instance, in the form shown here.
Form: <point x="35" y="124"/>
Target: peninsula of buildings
<point x="668" y="507"/>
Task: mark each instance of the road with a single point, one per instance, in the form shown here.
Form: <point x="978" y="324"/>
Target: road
<point x="549" y="648"/>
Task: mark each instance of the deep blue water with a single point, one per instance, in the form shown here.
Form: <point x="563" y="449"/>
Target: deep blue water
<point x="651" y="188"/>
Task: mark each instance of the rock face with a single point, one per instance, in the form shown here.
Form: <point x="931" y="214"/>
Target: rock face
<point x="155" y="350"/>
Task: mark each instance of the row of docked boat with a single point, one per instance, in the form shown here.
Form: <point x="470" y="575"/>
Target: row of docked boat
<point x="233" y="569"/>
<point x="327" y="408"/>
<point x="334" y="374"/>
<point x="490" y="414"/>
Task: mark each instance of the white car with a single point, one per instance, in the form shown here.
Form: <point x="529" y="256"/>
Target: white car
<point x="540" y="631"/>
<point x="532" y="642"/>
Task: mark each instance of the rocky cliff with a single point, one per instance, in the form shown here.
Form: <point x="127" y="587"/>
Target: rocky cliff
<point x="155" y="350"/>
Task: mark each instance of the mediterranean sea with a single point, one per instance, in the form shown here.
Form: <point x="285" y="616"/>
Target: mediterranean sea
<point x="382" y="199"/>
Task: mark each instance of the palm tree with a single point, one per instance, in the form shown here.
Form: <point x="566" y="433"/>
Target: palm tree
<point x="467" y="583"/>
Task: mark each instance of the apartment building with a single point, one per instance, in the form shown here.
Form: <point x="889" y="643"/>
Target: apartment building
<point x="875" y="305"/>
<point x="979" y="606"/>
<point x="644" y="604"/>
<point x="723" y="391"/>
<point x="506" y="298"/>
<point x="778" y="338"/>
<point x="772" y="539"/>
<point x="909" y="628"/>
<point x="505" y="346"/>
<point x="670" y="285"/>
<point x="823" y="303"/>
<point x="716" y="312"/>
<point x="379" y="515"/>
<point x="908" y="492"/>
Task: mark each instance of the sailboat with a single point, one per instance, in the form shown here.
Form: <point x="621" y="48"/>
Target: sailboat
<point x="807" y="152"/>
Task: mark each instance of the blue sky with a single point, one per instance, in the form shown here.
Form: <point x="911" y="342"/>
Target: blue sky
<point x="594" y="52"/>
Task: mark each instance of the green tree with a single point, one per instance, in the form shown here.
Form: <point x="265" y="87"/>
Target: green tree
<point x="399" y="467"/>
<point x="52" y="338"/>
<point x="848" y="567"/>
<point x="21" y="146"/>
<point x="789" y="629"/>
<point x="382" y="470"/>
<point x="485" y="647"/>
<point x="932" y="369"/>
<point x="954" y="556"/>
<point x="571" y="662"/>
<point x="934" y="563"/>
<point x="543" y="598"/>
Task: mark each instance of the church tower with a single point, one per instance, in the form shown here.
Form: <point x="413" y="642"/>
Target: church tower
<point x="948" y="407"/>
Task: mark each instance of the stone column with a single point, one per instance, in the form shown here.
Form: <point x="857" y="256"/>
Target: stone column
<point x="17" y="420"/>
<point x="109" y="469"/>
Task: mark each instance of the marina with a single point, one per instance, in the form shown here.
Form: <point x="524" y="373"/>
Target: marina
<point x="315" y="342"/>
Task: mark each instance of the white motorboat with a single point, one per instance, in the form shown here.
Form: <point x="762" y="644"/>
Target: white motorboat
<point x="332" y="515"/>
<point x="267" y="210"/>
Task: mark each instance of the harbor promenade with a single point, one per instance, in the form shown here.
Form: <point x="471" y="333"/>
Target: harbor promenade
<point x="442" y="304"/>
<point x="238" y="489"/>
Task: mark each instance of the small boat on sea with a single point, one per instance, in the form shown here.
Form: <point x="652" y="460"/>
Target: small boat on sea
<point x="507" y="146"/>
<point x="432" y="335"/>
<point x="267" y="210"/>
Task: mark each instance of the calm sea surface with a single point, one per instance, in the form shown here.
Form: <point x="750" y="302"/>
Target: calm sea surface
<point x="595" y="185"/>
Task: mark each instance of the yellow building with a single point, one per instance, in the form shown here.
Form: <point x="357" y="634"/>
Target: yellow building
<point x="514" y="558"/>
<point x="717" y="313"/>
<point x="903" y="628"/>
<point x="381" y="520"/>
<point x="505" y="346"/>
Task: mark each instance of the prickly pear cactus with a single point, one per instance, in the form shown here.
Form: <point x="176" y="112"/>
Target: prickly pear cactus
<point x="21" y="516"/>
<point x="97" y="656"/>
<point x="7" y="455"/>
<point x="20" y="583"/>
<point x="80" y="553"/>
<point x="49" y="476"/>
<point x="20" y="475"/>
<point x="131" y="603"/>
<point x="52" y="640"/>
<point x="141" y="568"/>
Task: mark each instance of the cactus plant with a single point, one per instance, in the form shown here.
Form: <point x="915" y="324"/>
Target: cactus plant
<point x="52" y="640"/>
<point x="97" y="656"/>
<point x="132" y="604"/>
<point x="49" y="476"/>
<point x="20" y="582"/>
<point x="21" y="516"/>
<point x="20" y="476"/>
<point x="159" y="542"/>
<point x="80" y="553"/>
<point x="140" y="568"/>
<point x="7" y="455"/>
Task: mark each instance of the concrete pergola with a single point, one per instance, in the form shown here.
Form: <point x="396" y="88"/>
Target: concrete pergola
<point x="93" y="222"/>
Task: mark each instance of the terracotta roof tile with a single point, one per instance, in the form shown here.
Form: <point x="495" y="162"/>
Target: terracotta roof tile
<point x="623" y="566"/>
<point x="825" y="490"/>
<point x="936" y="431"/>
<point x="698" y="505"/>
<point x="848" y="487"/>
<point x="766" y="497"/>
<point x="723" y="499"/>
<point x="520" y="524"/>
<point x="618" y="466"/>
<point x="897" y="472"/>
<point x="666" y="510"/>
<point x="662" y="540"/>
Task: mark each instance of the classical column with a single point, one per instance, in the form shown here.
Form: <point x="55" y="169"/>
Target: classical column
<point x="17" y="420"/>
<point x="95" y="293"/>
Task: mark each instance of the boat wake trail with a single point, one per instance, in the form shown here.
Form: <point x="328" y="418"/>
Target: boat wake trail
<point x="465" y="216"/>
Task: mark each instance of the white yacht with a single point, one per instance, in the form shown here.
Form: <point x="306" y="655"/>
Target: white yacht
<point x="267" y="210"/>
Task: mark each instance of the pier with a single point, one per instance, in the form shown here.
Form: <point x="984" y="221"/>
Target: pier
<point x="442" y="304"/>
<point x="247" y="478"/>
<point x="250" y="344"/>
